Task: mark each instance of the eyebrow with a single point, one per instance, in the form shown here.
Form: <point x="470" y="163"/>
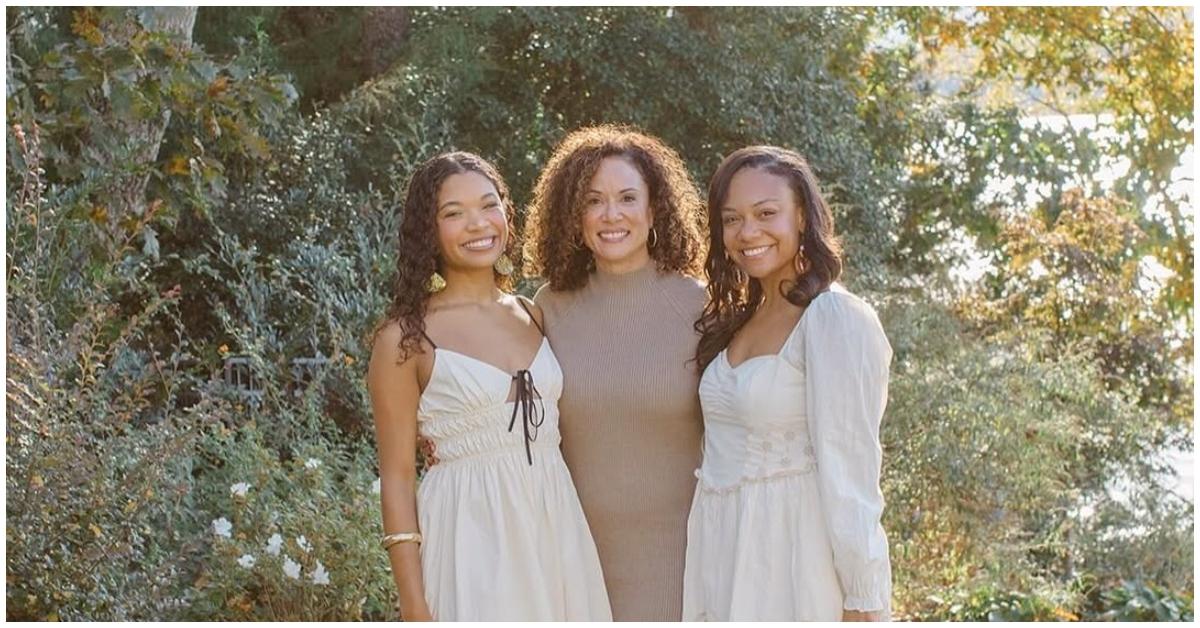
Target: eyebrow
<point x="484" y="197"/>
<point x="595" y="191"/>
<point x="765" y="200"/>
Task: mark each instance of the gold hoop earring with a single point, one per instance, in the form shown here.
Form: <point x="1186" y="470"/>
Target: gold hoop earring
<point x="797" y="261"/>
<point x="653" y="238"/>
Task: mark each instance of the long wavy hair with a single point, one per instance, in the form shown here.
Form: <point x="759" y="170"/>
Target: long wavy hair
<point x="554" y="224"/>
<point x="732" y="295"/>
<point x="418" y="256"/>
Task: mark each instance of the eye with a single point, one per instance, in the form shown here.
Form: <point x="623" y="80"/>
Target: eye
<point x="767" y="213"/>
<point x="592" y="201"/>
<point x="454" y="213"/>
<point x="628" y="198"/>
<point x="492" y="206"/>
<point x="729" y="220"/>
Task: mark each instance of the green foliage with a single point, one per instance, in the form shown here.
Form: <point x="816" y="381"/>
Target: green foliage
<point x="1025" y="415"/>
<point x="996" y="448"/>
<point x="290" y="538"/>
<point x="1139" y="601"/>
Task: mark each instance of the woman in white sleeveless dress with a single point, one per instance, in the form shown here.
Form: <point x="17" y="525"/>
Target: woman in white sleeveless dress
<point x="785" y="523"/>
<point x="495" y="531"/>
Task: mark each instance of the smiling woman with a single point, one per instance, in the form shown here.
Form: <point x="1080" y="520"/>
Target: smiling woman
<point x="495" y="530"/>
<point x="616" y="230"/>
<point x="785" y="524"/>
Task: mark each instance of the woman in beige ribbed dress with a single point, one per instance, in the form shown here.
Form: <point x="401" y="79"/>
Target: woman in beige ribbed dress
<point x="615" y="227"/>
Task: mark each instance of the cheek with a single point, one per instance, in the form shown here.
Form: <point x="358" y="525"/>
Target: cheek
<point x="500" y="221"/>
<point x="729" y="235"/>
<point x="641" y="215"/>
<point x="447" y="233"/>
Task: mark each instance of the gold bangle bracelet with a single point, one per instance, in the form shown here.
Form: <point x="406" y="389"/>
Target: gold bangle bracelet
<point x="400" y="537"/>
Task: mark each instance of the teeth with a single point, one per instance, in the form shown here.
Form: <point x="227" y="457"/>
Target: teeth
<point x="755" y="252"/>
<point x="480" y="244"/>
<point x="613" y="236"/>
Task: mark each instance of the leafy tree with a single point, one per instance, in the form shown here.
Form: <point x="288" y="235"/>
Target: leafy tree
<point x="1131" y="63"/>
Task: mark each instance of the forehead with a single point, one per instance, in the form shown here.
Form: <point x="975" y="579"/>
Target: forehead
<point x="464" y="186"/>
<point x="616" y="173"/>
<point x="753" y="185"/>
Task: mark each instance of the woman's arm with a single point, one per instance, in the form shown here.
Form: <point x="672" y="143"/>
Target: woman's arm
<point x="847" y="357"/>
<point x="395" y="393"/>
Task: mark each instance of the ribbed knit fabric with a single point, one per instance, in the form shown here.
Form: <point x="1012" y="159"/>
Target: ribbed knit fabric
<point x="631" y="426"/>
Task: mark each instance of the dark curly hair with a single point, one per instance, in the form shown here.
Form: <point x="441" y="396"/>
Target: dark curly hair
<point x="554" y="238"/>
<point x="417" y="255"/>
<point x="732" y="296"/>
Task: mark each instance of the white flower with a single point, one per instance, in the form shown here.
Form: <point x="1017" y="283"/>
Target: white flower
<point x="303" y="543"/>
<point x="274" y="544"/>
<point x="239" y="489"/>
<point x="320" y="576"/>
<point x="291" y="568"/>
<point x="222" y="527"/>
<point x="247" y="561"/>
<point x="375" y="486"/>
<point x="312" y="463"/>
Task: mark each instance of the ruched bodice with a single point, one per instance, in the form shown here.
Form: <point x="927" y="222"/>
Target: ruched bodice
<point x="755" y="421"/>
<point x="465" y="408"/>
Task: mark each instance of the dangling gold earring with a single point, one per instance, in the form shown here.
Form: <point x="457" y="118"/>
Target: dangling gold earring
<point x="504" y="266"/>
<point x="653" y="238"/>
<point x="436" y="282"/>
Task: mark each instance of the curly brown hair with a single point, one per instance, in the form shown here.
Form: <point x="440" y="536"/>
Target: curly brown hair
<point x="732" y="296"/>
<point x="554" y="238"/>
<point x="417" y="256"/>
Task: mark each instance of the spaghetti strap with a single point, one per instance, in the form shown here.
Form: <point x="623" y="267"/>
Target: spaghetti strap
<point x="531" y="316"/>
<point x="429" y="340"/>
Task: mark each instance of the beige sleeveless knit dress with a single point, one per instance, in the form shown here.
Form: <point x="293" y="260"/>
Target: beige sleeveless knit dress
<point x="631" y="426"/>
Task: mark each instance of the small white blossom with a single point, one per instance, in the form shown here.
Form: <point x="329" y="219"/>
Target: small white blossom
<point x="247" y="561"/>
<point x="375" y="486"/>
<point x="222" y="527"/>
<point x="320" y="576"/>
<point x="303" y="543"/>
<point x="312" y="463"/>
<point x="239" y="489"/>
<point x="274" y="544"/>
<point x="291" y="568"/>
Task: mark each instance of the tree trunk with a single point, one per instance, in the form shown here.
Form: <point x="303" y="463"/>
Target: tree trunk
<point x="126" y="195"/>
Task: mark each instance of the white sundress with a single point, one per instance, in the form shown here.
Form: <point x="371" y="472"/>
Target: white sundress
<point x="785" y="522"/>
<point x="505" y="538"/>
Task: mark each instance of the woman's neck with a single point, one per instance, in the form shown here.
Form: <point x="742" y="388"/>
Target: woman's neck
<point x="476" y="286"/>
<point x="624" y="266"/>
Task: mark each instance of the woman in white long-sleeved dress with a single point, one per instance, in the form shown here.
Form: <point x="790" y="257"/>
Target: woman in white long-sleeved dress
<point x="785" y="523"/>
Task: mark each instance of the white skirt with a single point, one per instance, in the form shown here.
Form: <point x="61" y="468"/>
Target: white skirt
<point x="507" y="541"/>
<point x="759" y="551"/>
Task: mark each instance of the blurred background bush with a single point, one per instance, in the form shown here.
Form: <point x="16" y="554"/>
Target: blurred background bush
<point x="200" y="236"/>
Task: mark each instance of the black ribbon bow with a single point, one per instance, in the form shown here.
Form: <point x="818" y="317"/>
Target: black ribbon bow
<point x="531" y="417"/>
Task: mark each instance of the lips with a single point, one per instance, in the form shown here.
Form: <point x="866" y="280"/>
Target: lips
<point x="614" y="235"/>
<point x="756" y="252"/>
<point x="480" y="244"/>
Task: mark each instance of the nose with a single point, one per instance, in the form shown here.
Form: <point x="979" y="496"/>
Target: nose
<point x="477" y="221"/>
<point x="612" y="211"/>
<point x="748" y="231"/>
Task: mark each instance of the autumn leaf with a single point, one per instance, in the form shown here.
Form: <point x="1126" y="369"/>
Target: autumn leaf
<point x="99" y="214"/>
<point x="218" y="87"/>
<point x="179" y="165"/>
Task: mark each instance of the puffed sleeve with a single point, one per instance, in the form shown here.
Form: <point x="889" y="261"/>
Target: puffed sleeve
<point x="846" y="360"/>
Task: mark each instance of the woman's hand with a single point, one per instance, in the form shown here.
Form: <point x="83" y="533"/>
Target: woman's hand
<point x="428" y="452"/>
<point x="849" y="615"/>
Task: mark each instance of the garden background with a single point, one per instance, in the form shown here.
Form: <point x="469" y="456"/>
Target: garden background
<point x="200" y="235"/>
